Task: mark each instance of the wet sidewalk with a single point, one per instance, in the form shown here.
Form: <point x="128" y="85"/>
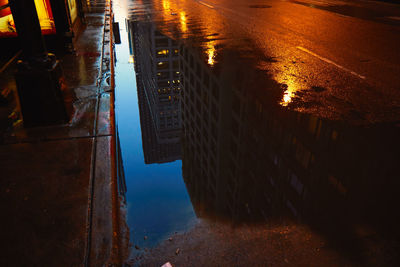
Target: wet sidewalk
<point x="56" y="182"/>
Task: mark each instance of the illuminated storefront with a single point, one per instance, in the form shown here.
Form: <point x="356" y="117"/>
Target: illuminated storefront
<point x="7" y="27"/>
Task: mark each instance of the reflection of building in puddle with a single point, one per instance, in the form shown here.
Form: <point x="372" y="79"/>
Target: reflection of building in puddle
<point x="246" y="158"/>
<point x="158" y="83"/>
<point x="122" y="189"/>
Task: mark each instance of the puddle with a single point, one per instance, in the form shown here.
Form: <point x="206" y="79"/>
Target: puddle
<point x="205" y="137"/>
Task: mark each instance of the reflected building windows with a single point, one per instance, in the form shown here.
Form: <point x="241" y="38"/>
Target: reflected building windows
<point x="244" y="159"/>
<point x="156" y="63"/>
<point x="162" y="53"/>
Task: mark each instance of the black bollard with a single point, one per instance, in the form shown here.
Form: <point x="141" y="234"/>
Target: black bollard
<point x="39" y="75"/>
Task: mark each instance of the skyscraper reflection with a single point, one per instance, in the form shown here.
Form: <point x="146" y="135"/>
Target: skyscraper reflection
<point x="247" y="158"/>
<point x="156" y="63"/>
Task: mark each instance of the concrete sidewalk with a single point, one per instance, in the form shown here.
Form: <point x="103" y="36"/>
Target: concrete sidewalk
<point x="57" y="183"/>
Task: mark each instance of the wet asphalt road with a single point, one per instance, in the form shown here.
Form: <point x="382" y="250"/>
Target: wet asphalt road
<point x="354" y="37"/>
<point x="333" y="57"/>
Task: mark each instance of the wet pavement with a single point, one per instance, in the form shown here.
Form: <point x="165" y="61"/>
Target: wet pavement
<point x="281" y="121"/>
<point x="56" y="181"/>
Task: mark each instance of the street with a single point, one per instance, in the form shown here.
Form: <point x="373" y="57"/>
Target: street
<point x="346" y="49"/>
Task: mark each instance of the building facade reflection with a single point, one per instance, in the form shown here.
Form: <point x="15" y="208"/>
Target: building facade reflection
<point x="156" y="64"/>
<point x="247" y="158"/>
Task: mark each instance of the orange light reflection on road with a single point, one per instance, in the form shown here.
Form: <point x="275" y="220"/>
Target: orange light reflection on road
<point x="176" y="12"/>
<point x="182" y="18"/>
<point x="287" y="73"/>
<point x="287" y="98"/>
<point x="292" y="88"/>
<point x="211" y="53"/>
<point x="166" y="5"/>
<point x="212" y="23"/>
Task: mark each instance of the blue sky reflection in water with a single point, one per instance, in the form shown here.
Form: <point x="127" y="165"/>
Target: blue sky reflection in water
<point x="157" y="201"/>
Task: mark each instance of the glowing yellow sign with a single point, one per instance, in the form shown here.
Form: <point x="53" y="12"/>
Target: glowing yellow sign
<point x="45" y="15"/>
